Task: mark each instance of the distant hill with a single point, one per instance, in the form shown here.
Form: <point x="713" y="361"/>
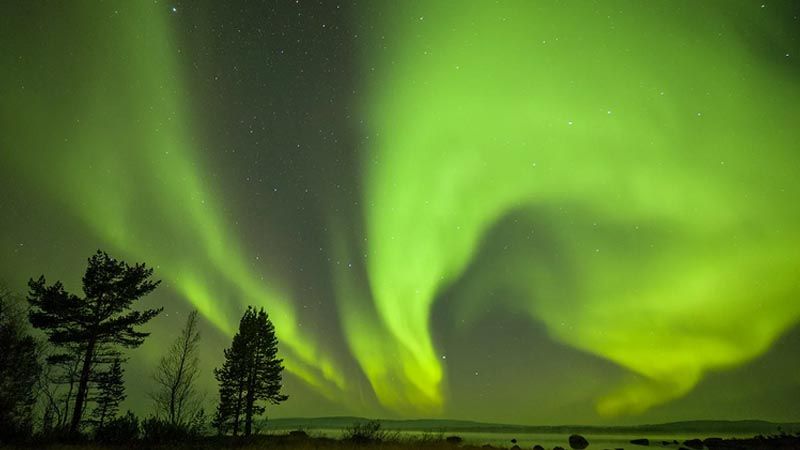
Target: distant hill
<point x="754" y="427"/>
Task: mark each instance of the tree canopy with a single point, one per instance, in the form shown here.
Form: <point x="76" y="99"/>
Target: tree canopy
<point x="88" y="327"/>
<point x="250" y="374"/>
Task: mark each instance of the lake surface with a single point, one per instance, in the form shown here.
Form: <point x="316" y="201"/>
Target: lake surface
<point x="548" y="441"/>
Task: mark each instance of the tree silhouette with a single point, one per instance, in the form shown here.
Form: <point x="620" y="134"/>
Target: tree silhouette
<point x="231" y="379"/>
<point x="62" y="369"/>
<point x="110" y="393"/>
<point x="176" y="395"/>
<point x="19" y="370"/>
<point x="251" y="373"/>
<point x="96" y="322"/>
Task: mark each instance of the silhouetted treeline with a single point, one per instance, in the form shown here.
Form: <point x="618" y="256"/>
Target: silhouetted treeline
<point x="20" y="370"/>
<point x="69" y="384"/>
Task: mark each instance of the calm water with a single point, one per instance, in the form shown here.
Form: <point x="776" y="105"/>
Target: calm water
<point x="548" y="441"/>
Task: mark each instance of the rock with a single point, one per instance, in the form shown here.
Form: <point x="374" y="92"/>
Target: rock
<point x="578" y="442"/>
<point x="454" y="439"/>
<point x="538" y="447"/>
<point x="640" y="442"/>
<point x="696" y="444"/>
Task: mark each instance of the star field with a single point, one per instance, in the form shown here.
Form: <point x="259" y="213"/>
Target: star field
<point x="548" y="212"/>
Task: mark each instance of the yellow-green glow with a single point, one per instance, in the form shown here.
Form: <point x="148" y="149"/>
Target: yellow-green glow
<point x="622" y="175"/>
<point x="120" y="142"/>
<point x="394" y="373"/>
<point x="627" y="113"/>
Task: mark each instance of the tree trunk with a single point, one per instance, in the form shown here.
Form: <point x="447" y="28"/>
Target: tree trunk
<point x="248" y="420"/>
<point x="248" y="407"/>
<point x="172" y="405"/>
<point x="83" y="384"/>
<point x="102" y="417"/>
<point x="173" y="391"/>
<point x="62" y="420"/>
<point x="237" y="411"/>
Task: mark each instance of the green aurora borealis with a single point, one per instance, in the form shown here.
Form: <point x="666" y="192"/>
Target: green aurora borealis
<point x="510" y="211"/>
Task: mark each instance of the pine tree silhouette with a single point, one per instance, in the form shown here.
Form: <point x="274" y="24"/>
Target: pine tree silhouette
<point x="111" y="392"/>
<point x="96" y="322"/>
<point x="251" y="373"/>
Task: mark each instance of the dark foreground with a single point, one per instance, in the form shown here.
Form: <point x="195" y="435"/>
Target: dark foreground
<point x="301" y="441"/>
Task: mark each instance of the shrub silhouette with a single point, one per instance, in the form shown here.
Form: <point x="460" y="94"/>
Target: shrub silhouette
<point x="369" y="432"/>
<point x="119" y="430"/>
<point x="156" y="430"/>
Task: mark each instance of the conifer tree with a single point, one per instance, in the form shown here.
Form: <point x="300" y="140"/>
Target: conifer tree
<point x="96" y="322"/>
<point x="20" y="369"/>
<point x="110" y="393"/>
<point x="250" y="374"/>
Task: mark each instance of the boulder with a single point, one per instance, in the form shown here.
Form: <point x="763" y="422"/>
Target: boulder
<point x="454" y="439"/>
<point x="695" y="444"/>
<point x="578" y="442"/>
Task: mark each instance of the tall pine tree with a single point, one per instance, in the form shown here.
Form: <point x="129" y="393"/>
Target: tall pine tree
<point x="98" y="321"/>
<point x="250" y="374"/>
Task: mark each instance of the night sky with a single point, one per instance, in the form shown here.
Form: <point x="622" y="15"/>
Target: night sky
<point x="526" y="212"/>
